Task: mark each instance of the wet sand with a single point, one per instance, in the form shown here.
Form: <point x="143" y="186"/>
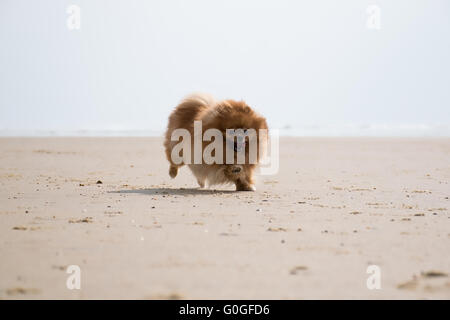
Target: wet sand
<point x="337" y="206"/>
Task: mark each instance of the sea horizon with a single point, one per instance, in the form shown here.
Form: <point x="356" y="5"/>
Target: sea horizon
<point x="349" y="130"/>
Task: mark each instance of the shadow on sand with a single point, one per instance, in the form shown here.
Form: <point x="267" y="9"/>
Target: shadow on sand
<point x="170" y="191"/>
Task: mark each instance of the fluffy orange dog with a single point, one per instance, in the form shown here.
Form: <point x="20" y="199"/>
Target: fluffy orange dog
<point x="222" y="116"/>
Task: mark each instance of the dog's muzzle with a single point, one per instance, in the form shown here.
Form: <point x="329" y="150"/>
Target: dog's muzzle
<point x="239" y="144"/>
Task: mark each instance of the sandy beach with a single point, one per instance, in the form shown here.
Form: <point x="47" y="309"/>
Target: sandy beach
<point x="337" y="206"/>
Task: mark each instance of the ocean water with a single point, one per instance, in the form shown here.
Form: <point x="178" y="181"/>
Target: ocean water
<point x="351" y="130"/>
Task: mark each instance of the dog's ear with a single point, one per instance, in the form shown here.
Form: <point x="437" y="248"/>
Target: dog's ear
<point x="241" y="106"/>
<point x="247" y="109"/>
<point x="260" y="123"/>
<point x="224" y="109"/>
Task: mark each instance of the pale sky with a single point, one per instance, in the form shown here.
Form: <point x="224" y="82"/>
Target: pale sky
<point x="302" y="64"/>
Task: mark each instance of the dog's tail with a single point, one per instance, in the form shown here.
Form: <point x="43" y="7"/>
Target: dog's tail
<point x="197" y="98"/>
<point x="190" y="109"/>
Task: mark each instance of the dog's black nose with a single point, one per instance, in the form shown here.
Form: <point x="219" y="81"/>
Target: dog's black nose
<point x="236" y="170"/>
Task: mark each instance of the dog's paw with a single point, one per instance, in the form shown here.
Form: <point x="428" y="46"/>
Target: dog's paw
<point x="201" y="183"/>
<point x="245" y="188"/>
<point x="173" y="171"/>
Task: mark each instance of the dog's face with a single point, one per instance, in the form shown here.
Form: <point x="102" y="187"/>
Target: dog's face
<point x="238" y="123"/>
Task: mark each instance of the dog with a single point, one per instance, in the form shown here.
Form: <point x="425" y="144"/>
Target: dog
<point x="219" y="116"/>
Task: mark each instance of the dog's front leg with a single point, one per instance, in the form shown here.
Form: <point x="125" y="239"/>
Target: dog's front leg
<point x="242" y="185"/>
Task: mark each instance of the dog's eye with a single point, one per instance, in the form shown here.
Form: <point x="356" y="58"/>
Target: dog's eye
<point x="245" y="130"/>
